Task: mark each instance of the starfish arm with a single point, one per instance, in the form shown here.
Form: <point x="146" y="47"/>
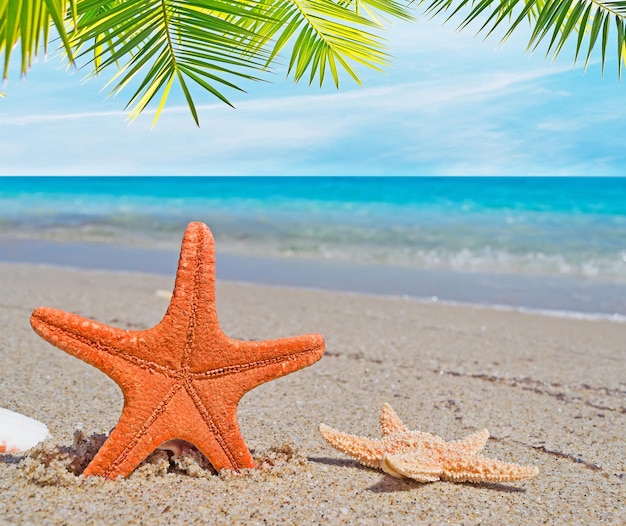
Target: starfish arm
<point x="390" y="422"/>
<point x="216" y="433"/>
<point x="473" y="443"/>
<point x="480" y="469"/>
<point x="104" y="347"/>
<point x="412" y="466"/>
<point x="193" y="299"/>
<point x="145" y="423"/>
<point x="256" y="362"/>
<point x="364" y="450"/>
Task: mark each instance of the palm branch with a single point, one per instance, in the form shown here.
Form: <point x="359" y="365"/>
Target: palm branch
<point x="28" y="23"/>
<point x="212" y="43"/>
<point x="586" y="23"/>
<point x="152" y="45"/>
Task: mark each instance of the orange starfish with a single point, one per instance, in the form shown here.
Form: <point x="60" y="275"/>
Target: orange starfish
<point x="183" y="378"/>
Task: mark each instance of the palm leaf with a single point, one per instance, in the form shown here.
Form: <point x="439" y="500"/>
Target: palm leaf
<point x="154" y="44"/>
<point x="326" y="33"/>
<point x="28" y="22"/>
<point x="554" y="22"/>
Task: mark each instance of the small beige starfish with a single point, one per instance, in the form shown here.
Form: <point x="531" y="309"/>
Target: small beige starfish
<point x="425" y="457"/>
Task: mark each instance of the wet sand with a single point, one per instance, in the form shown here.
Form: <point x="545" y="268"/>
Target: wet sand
<point x="543" y="293"/>
<point x="551" y="391"/>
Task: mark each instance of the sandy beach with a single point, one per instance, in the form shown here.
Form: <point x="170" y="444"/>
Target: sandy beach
<point x="552" y="392"/>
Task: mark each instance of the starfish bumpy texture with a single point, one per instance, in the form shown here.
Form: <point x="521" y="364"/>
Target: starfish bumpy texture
<point x="182" y="379"/>
<point x="425" y="457"/>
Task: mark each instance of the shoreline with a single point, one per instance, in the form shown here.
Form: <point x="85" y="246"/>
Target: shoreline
<point x="558" y="296"/>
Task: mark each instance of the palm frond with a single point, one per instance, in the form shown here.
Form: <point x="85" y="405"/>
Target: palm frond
<point x="155" y="43"/>
<point x="28" y="23"/>
<point x="325" y="34"/>
<point x="586" y="23"/>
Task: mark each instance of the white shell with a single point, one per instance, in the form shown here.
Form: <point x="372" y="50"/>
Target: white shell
<point x="19" y="433"/>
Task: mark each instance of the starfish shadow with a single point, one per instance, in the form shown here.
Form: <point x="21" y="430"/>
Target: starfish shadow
<point x="338" y="462"/>
<point x="79" y="454"/>
<point x="494" y="486"/>
<point x="82" y="450"/>
<point x="75" y="456"/>
<point x="10" y="459"/>
<point x="388" y="484"/>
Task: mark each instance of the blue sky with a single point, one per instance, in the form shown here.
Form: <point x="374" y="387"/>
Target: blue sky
<point x="450" y="103"/>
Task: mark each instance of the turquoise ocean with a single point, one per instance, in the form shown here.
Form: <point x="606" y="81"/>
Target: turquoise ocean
<point x="526" y="231"/>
